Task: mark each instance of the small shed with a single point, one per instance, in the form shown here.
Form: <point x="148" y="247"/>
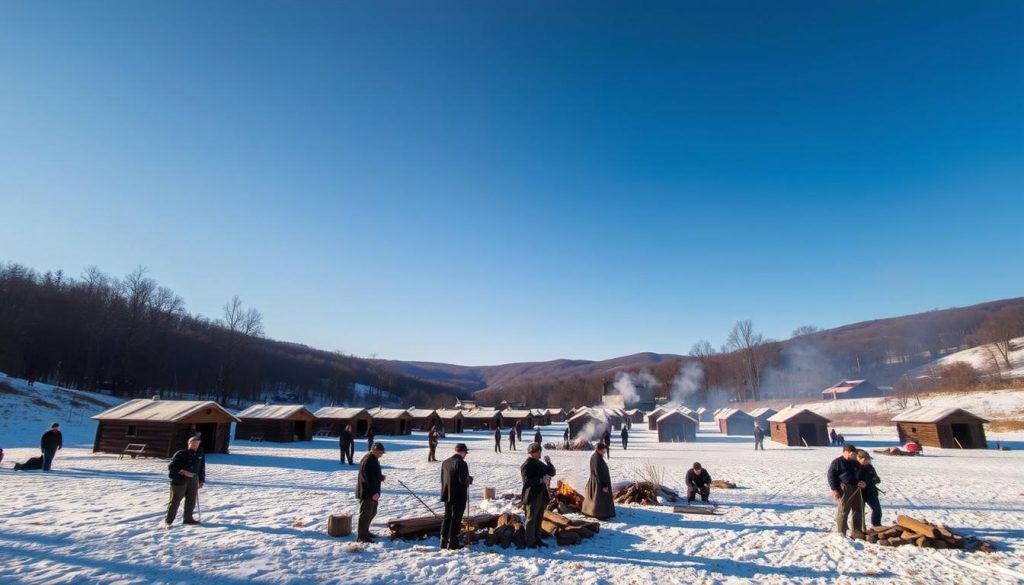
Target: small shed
<point x="761" y="416"/>
<point x="423" y="419"/>
<point x="635" y="415"/>
<point x="654" y="415"/>
<point x="849" y="389"/>
<point x="795" y="427"/>
<point x="391" y="421"/>
<point x="480" y="419"/>
<point x="452" y="420"/>
<point x="332" y="420"/>
<point x="524" y="418"/>
<point x="677" y="426"/>
<point x="946" y="428"/>
<point x="700" y="413"/>
<point x="589" y="424"/>
<point x="280" y="423"/>
<point x="164" y="426"/>
<point x="541" y="418"/>
<point x="733" y="421"/>
<point x="556" y="415"/>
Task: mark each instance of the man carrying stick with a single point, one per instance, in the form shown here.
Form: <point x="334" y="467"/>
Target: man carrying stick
<point x="843" y="480"/>
<point x="455" y="482"/>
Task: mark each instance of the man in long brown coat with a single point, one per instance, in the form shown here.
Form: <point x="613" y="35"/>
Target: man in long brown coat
<point x="598" y="501"/>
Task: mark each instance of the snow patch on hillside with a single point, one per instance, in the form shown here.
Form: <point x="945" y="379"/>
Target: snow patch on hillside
<point x="985" y="360"/>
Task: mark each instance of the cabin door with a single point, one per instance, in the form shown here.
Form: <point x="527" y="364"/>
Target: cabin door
<point x="808" y="434"/>
<point x="962" y="436"/>
<point x="362" y="425"/>
<point x="299" y="430"/>
<point x="208" y="433"/>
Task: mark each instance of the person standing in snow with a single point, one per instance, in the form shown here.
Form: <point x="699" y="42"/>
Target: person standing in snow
<point x="607" y="440"/>
<point x="869" y="476"/>
<point x="370" y="434"/>
<point x="846" y="485"/>
<point x="512" y="438"/>
<point x="598" y="501"/>
<point x="565" y="437"/>
<point x="49" y="443"/>
<point x="187" y="471"/>
<point x="537" y="438"/>
<point x="432" y="441"/>
<point x="758" y="437"/>
<point x="519" y="431"/>
<point x="455" y="482"/>
<point x="624" y="435"/>
<point x="497" y="439"/>
<point x="834" y="437"/>
<point x="536" y="476"/>
<point x="346" y="442"/>
<point x="368" y="491"/>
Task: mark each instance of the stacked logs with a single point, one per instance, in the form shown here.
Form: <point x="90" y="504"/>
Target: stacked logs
<point x="568" y="532"/>
<point x="644" y="493"/>
<point x="430" y="526"/>
<point x="923" y="534"/>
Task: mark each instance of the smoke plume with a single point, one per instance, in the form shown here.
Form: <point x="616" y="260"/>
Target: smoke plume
<point x="686" y="383"/>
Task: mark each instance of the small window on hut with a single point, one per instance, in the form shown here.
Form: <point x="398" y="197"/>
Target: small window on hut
<point x="913" y="429"/>
<point x="209" y="410"/>
<point x="133" y="431"/>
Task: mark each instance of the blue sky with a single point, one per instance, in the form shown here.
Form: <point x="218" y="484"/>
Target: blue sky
<point x="491" y="182"/>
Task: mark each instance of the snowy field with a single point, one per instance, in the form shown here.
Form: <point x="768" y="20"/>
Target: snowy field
<point x="95" y="518"/>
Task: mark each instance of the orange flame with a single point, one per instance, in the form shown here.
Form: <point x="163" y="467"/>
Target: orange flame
<point x="565" y="489"/>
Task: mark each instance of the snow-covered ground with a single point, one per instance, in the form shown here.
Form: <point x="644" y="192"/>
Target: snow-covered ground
<point x="990" y="404"/>
<point x="95" y="518"/>
<point x="984" y="359"/>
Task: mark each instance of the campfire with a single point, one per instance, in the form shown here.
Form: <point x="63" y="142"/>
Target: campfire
<point x="923" y="534"/>
<point x="565" y="499"/>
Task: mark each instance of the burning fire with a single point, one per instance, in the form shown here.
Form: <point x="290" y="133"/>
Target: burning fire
<point x="564" y="489"/>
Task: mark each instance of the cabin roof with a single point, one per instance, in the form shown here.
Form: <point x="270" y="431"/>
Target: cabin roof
<point x="147" y="409"/>
<point x="275" y="411"/>
<point x="791" y="412"/>
<point x="933" y="414"/>
<point x="389" y="413"/>
<point x="339" y="412"/>
<point x="676" y="413"/>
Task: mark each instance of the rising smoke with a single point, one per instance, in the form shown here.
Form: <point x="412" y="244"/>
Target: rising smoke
<point x="686" y="383"/>
<point x="626" y="384"/>
<point x="805" y="371"/>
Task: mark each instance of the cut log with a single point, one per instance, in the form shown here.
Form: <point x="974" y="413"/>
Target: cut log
<point x="339" y="525"/>
<point x="556" y="518"/>
<point x="922" y="528"/>
<point x="423" y="526"/>
<point x="568" y="537"/>
<point x="704" y="510"/>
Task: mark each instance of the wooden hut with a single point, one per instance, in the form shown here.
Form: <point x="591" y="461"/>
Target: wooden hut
<point x="541" y="418"/>
<point x="391" y="421"/>
<point x="524" y="418"/>
<point x="761" y="416"/>
<point x="163" y="426"/>
<point x="796" y="427"/>
<point x="331" y="420"/>
<point x="481" y="419"/>
<point x="635" y="416"/>
<point x="654" y="415"/>
<point x="423" y="419"/>
<point x="275" y="422"/>
<point x="556" y="415"/>
<point x="452" y="420"/>
<point x="677" y="426"/>
<point x="849" y="389"/>
<point x="733" y="421"/>
<point x="947" y="428"/>
<point x="592" y="420"/>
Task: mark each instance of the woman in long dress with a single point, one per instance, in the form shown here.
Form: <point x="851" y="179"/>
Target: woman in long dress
<point x="598" y="501"/>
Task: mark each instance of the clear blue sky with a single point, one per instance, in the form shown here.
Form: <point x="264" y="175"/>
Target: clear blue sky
<point x="482" y="182"/>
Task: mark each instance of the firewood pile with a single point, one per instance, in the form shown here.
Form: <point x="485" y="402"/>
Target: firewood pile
<point x="722" y="484"/>
<point x="430" y="526"/>
<point x="896" y="451"/>
<point x="923" y="534"/>
<point x="568" y="532"/>
<point x="644" y="493"/>
<point x="565" y="500"/>
<point x="574" y="445"/>
<point x="510" y="530"/>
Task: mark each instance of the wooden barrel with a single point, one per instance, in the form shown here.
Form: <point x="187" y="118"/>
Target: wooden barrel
<point x="488" y="493"/>
<point x="339" y="525"/>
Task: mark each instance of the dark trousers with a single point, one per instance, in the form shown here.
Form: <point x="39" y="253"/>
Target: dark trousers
<point x="188" y="491"/>
<point x="48" y="456"/>
<point x="367" y="512"/>
<point x="452" y="523"/>
<point x="759" y="444"/>
<point x="533" y="508"/>
<point x="430" y="454"/>
<point x="851" y="501"/>
<point x="691" y="493"/>
<point x="871" y="499"/>
<point x="497" y="446"/>
<point x="624" y="443"/>
<point x="347" y="452"/>
<point x="512" y="443"/>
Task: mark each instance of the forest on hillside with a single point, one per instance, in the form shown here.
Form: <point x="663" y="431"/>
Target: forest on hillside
<point x="132" y="337"/>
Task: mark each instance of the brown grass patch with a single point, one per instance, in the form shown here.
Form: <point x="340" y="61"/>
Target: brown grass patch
<point x="6" y="388"/>
<point x="44" y="404"/>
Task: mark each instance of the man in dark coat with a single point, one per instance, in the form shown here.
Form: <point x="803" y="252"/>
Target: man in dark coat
<point x="833" y="436"/>
<point x="597" y="498"/>
<point x="347" y="444"/>
<point x="187" y="471"/>
<point x="607" y="439"/>
<point x="512" y="439"/>
<point x="869" y="476"/>
<point x="368" y="491"/>
<point x="49" y="443"/>
<point x="370" y="435"/>
<point x="758" y="437"/>
<point x="844" y="481"/>
<point x="519" y="431"/>
<point x="698" y="481"/>
<point x="432" y="440"/>
<point x="624" y="435"/>
<point x="455" y="482"/>
<point x="497" y="439"/>
<point x="536" y="475"/>
<point x="565" y="437"/>
<point x="537" y="438"/>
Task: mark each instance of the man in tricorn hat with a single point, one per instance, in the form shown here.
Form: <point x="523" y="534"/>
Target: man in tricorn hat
<point x="455" y="482"/>
<point x="536" y="478"/>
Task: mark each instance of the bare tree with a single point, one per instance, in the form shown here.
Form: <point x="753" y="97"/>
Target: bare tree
<point x="805" y="330"/>
<point x="1000" y="329"/>
<point x="744" y="340"/>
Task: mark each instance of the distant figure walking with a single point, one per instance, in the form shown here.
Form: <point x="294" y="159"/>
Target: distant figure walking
<point x="758" y="437"/>
<point x="432" y="440"/>
<point x="51" y="441"/>
<point x="519" y="431"/>
<point x="624" y="435"/>
<point x="565" y="437"/>
<point x="698" y="481"/>
<point x="368" y="491"/>
<point x="187" y="472"/>
<point x="607" y="440"/>
<point x="537" y="438"/>
<point x="512" y="438"/>
<point x="370" y="435"/>
<point x="346" y="443"/>
<point x="497" y="439"/>
<point x="597" y="498"/>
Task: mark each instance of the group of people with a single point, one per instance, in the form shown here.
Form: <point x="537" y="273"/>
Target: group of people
<point x="854" y="483"/>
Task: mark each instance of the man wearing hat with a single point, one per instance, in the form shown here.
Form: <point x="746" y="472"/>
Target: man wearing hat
<point x="455" y="482"/>
<point x="698" y="481"/>
<point x="368" y="490"/>
<point x="187" y="471"/>
<point x="536" y="478"/>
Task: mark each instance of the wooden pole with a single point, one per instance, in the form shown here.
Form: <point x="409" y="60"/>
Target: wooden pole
<point x="958" y="442"/>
